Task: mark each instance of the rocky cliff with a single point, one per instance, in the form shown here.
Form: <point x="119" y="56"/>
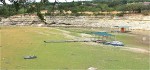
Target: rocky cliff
<point x="136" y="22"/>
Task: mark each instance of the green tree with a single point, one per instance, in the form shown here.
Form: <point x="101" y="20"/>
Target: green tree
<point x="104" y="7"/>
<point x="137" y="7"/>
<point x="4" y="11"/>
<point x="7" y="10"/>
<point x="124" y="1"/>
<point x="114" y="3"/>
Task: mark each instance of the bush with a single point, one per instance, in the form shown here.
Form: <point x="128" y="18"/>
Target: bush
<point x="120" y="14"/>
<point x="40" y="16"/>
<point x="146" y="12"/>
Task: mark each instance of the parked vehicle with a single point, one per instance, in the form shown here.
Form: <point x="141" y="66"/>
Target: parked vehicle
<point x="114" y="43"/>
<point x="117" y="43"/>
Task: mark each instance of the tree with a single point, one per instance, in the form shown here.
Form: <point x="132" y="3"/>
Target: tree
<point x="114" y="3"/>
<point x="44" y="1"/>
<point x="3" y="1"/>
<point x="137" y="7"/>
<point x="4" y="12"/>
<point x="7" y="10"/>
<point x="16" y="4"/>
<point x="31" y="9"/>
<point x="104" y="7"/>
<point x="124" y="1"/>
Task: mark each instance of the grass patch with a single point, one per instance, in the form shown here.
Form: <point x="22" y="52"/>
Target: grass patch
<point x="20" y="41"/>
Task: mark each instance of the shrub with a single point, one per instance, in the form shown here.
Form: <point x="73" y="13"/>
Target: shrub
<point x="120" y="14"/>
<point x="41" y="17"/>
<point x="146" y="12"/>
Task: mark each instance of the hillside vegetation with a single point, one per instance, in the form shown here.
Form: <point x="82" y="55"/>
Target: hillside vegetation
<point x="59" y="8"/>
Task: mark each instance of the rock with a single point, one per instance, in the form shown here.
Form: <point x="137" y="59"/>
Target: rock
<point x="100" y="21"/>
<point x="40" y="25"/>
<point x="92" y="68"/>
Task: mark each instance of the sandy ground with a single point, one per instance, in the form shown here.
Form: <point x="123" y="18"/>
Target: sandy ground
<point x="142" y="36"/>
<point x="136" y="50"/>
<point x="141" y="32"/>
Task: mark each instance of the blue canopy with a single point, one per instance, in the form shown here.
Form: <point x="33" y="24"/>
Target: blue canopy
<point x="102" y="34"/>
